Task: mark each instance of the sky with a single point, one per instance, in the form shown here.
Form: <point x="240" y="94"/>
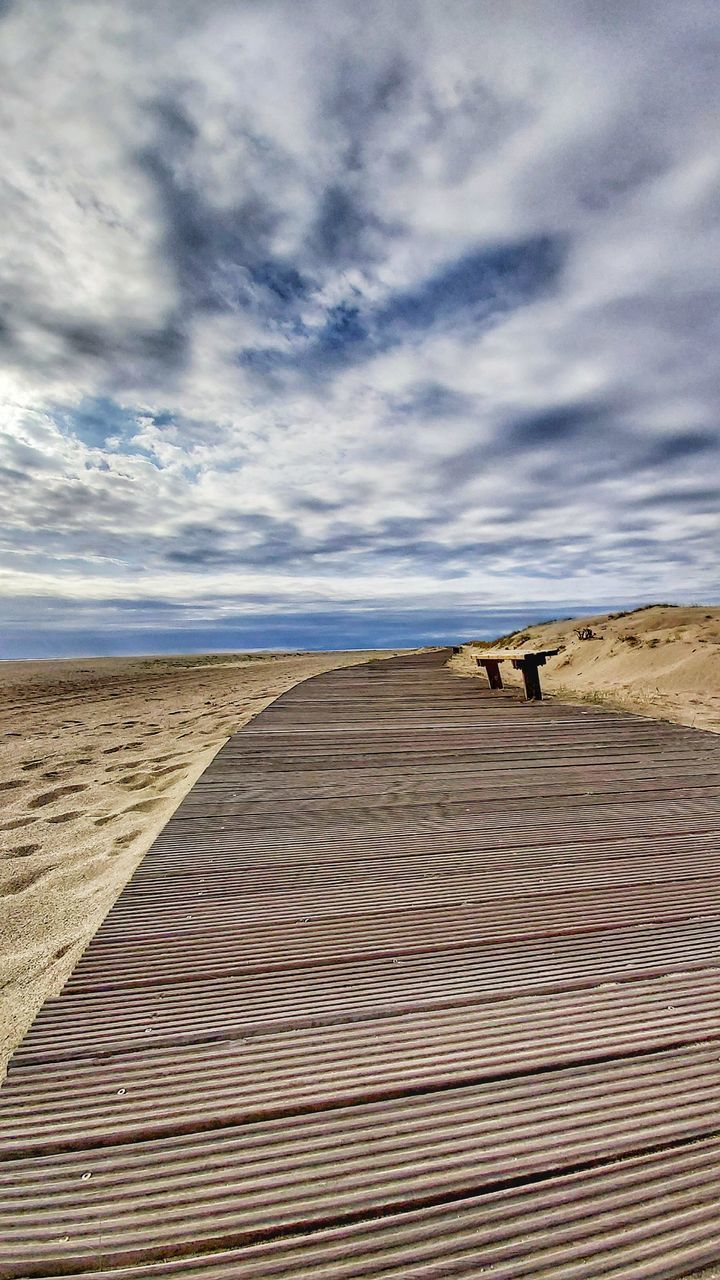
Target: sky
<point x="336" y="323"/>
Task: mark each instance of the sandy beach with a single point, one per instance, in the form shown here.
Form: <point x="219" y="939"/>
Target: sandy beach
<point x="95" y="755"/>
<point x="662" y="661"/>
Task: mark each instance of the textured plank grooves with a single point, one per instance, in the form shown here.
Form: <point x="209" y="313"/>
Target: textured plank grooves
<point x="640" y="1219"/>
<point x="239" y="1183"/>
<point x="181" y="950"/>
<point x="440" y="882"/>
<point x="102" y="1023"/>
<point x="217" y="836"/>
<point x="574" y="860"/>
<point x="164" y="1092"/>
<point x="419" y="980"/>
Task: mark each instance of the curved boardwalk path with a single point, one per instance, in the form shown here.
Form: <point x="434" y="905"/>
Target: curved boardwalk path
<point x="419" y="981"/>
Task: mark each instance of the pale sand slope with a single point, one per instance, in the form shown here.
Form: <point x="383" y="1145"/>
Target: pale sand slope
<point x="662" y="661"/>
<point x="95" y="754"/>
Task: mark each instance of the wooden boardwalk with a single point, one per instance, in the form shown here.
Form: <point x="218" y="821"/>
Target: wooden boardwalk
<point x="419" y="981"/>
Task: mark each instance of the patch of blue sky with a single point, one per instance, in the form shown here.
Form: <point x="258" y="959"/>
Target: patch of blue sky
<point x="100" y="423"/>
<point x="474" y="290"/>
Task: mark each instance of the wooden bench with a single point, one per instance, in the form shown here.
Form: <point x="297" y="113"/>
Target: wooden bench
<point x="525" y="660"/>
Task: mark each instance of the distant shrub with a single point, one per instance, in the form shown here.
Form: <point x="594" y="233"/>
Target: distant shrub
<point x="626" y="613"/>
<point x="499" y="640"/>
<point x="504" y="641"/>
<point x="653" y="644"/>
<point x="632" y="640"/>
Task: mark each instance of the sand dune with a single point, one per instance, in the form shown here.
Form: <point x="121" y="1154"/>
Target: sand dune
<point x="95" y="754"/>
<point x="662" y="660"/>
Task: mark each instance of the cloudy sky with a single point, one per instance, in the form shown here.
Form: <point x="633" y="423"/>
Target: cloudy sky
<point x="348" y="322"/>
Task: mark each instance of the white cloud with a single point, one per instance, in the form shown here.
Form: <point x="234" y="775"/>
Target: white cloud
<point x="242" y="352"/>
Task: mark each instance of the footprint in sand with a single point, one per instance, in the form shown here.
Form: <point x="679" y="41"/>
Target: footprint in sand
<point x="64" y="817"/>
<point x="166" y="772"/>
<point x="115" y="765"/>
<point x="102" y="822"/>
<point x="26" y="881"/>
<point x="32" y="764"/>
<point x="12" y="784"/>
<point x="23" y="850"/>
<point x="144" y="806"/>
<point x="148" y="773"/>
<point x="121" y="842"/>
<point x="47" y="797"/>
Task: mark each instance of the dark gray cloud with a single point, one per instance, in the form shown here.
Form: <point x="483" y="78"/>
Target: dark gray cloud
<point x="681" y="446"/>
<point x="689" y="499"/>
<point x="604" y="434"/>
<point x="345" y="232"/>
<point x="432" y="400"/>
<point x="41" y="342"/>
<point x="565" y="424"/>
<point x="222" y="258"/>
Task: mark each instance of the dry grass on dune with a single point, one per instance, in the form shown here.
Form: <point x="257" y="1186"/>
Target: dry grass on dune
<point x="95" y="754"/>
<point x="660" y="660"/>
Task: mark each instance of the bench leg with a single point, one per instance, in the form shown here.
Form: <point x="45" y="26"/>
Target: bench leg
<point x="531" y="676"/>
<point x="493" y="674"/>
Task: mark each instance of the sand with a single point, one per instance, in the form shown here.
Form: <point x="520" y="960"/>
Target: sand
<point x="95" y="755"/>
<point x="662" y="661"/>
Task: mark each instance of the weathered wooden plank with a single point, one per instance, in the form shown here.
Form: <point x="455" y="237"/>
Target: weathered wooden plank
<point x="420" y="975"/>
